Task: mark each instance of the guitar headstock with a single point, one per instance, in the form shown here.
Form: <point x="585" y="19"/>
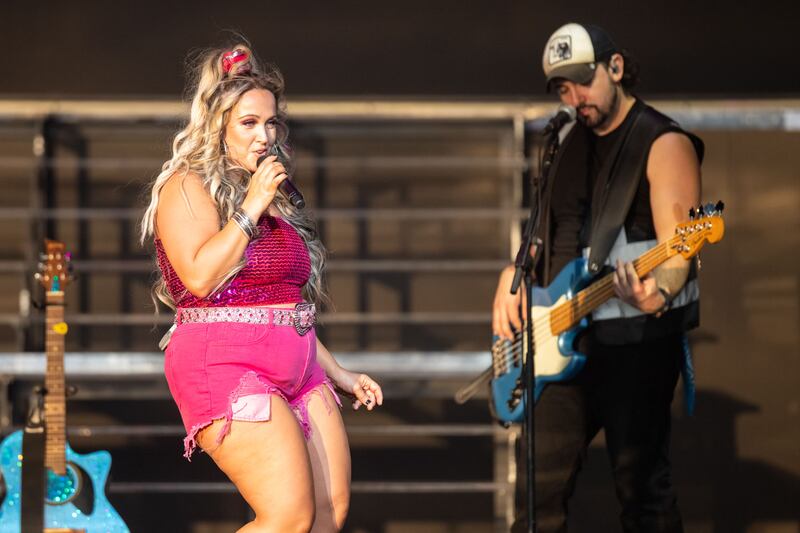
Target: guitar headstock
<point x="705" y="225"/>
<point x="55" y="271"/>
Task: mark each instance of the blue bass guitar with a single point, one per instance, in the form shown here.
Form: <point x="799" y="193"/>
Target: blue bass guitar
<point x="74" y="498"/>
<point x="559" y="314"/>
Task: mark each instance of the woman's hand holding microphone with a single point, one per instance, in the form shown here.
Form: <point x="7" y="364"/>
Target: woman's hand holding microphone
<point x="263" y="187"/>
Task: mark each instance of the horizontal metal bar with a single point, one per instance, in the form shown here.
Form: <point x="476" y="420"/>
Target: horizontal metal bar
<point x="442" y="487"/>
<point x="299" y="109"/>
<point x="138" y="430"/>
<point x="301" y="131"/>
<point x="395" y="430"/>
<point x="70" y="213"/>
<point x="772" y="114"/>
<point x="16" y="266"/>
<point x="334" y="319"/>
<point x="361" y="162"/>
<point x="395" y="365"/>
<point x="14" y="320"/>
<point x="334" y="265"/>
<point x="162" y="487"/>
<point x="417" y="265"/>
<point x="99" y="319"/>
<point x="372" y="487"/>
<point x="419" y="318"/>
<point x="465" y="214"/>
<point x="432" y="430"/>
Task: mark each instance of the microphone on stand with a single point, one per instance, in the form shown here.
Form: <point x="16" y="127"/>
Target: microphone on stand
<point x="566" y="113"/>
<point x="287" y="187"/>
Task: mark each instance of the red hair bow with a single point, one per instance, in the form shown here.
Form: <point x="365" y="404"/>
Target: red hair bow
<point x="229" y="59"/>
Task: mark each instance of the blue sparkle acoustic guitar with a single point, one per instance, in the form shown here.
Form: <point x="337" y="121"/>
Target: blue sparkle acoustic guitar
<point x="74" y="499"/>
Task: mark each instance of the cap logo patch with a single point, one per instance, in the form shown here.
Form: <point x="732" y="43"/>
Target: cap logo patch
<point x="560" y="49"/>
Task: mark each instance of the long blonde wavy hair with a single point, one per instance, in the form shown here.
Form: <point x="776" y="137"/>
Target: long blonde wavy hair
<point x="198" y="148"/>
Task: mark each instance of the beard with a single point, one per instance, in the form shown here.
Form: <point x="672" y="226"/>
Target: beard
<point x="602" y="115"/>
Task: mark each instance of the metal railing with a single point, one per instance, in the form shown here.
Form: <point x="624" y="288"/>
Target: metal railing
<point x="329" y="118"/>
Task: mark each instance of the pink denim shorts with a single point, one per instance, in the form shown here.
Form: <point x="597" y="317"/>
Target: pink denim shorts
<point x="230" y="370"/>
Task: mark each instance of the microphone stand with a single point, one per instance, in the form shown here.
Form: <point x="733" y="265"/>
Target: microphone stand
<point x="525" y="266"/>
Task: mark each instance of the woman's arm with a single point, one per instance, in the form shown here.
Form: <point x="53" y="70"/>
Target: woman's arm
<point x="188" y="225"/>
<point x="364" y="388"/>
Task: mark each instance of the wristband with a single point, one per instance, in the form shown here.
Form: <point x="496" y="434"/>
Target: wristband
<point x="667" y="302"/>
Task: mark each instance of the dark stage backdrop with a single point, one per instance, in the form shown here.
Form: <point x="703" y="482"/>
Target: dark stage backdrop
<point x="414" y="47"/>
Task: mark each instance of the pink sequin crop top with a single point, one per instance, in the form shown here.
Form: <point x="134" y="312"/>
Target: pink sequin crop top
<point x="276" y="269"/>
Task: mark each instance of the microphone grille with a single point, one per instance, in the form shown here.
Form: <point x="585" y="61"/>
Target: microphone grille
<point x="569" y="110"/>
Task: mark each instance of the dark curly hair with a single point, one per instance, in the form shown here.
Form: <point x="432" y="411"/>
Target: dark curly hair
<point x="630" y="72"/>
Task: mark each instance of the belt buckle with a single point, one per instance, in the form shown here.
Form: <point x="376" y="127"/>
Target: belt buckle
<point x="304" y="316"/>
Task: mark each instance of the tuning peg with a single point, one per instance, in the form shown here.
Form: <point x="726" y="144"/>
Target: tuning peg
<point x="700" y="211"/>
<point x="691" y="213"/>
<point x="710" y="209"/>
<point x="720" y="206"/>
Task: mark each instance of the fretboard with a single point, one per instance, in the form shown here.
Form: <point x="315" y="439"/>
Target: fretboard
<point x="54" y="400"/>
<point x="569" y="313"/>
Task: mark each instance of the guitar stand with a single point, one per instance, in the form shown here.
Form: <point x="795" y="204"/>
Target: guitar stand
<point x="32" y="488"/>
<point x="34" y="480"/>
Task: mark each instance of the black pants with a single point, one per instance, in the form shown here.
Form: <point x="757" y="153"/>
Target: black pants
<point x="626" y="390"/>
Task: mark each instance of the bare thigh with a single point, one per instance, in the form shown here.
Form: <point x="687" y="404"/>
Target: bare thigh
<point x="267" y="461"/>
<point x="330" y="461"/>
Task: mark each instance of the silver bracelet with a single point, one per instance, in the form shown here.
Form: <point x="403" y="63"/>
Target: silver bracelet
<point x="245" y="224"/>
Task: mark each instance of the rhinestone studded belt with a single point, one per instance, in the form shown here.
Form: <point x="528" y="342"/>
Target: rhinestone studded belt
<point x="302" y="317"/>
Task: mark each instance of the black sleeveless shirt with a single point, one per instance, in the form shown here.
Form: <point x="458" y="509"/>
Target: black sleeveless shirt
<point x="568" y="222"/>
<point x="569" y="211"/>
<point x="570" y="199"/>
<point x="639" y="222"/>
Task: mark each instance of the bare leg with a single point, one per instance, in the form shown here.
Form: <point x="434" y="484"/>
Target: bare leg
<point x="268" y="462"/>
<point x="330" y="462"/>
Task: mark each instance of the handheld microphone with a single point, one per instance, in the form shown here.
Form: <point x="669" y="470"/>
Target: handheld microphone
<point x="566" y="113"/>
<point x="287" y="188"/>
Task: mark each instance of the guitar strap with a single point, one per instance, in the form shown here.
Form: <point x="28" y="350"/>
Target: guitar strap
<point x="32" y="488"/>
<point x="615" y="187"/>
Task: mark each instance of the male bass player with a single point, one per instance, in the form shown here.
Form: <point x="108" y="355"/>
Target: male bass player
<point x="626" y="175"/>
